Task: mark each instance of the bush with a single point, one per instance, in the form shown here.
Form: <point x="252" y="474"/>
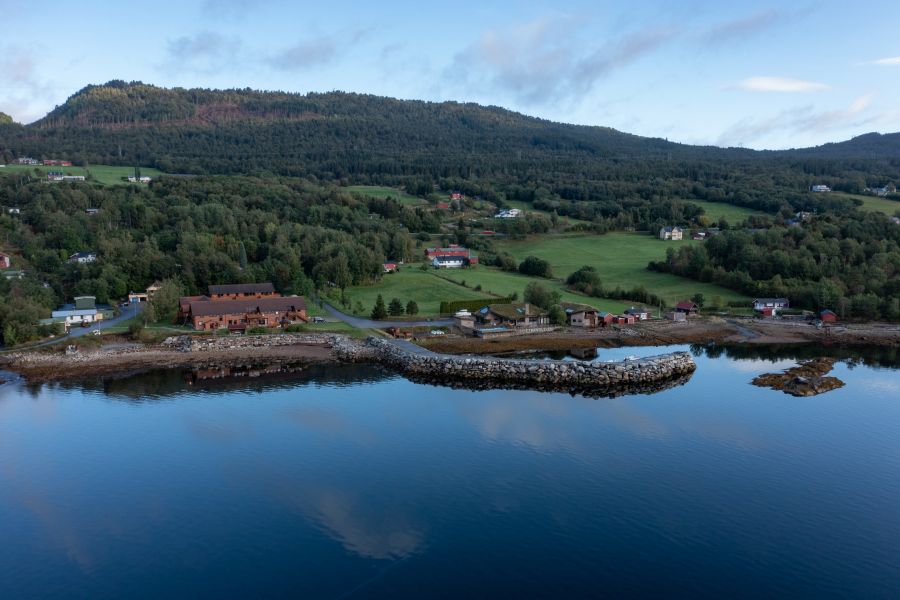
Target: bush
<point x="135" y="330"/>
<point x="536" y="267"/>
<point x="537" y="294"/>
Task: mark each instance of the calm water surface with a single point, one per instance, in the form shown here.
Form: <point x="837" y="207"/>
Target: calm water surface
<point x="352" y="482"/>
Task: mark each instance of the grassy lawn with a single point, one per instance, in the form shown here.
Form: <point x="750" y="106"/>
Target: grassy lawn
<point x="502" y="283"/>
<point x="733" y="214"/>
<point x="872" y="203"/>
<point x="411" y="283"/>
<point x="620" y="258"/>
<point x="105" y="174"/>
<point x="384" y="192"/>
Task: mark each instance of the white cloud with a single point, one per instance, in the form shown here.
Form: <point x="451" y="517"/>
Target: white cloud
<point x="803" y="120"/>
<point x="891" y="61"/>
<point x="543" y="61"/>
<point x="780" y="84"/>
<point x="206" y="52"/>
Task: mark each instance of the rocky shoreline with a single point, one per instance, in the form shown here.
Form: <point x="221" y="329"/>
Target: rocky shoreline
<point x="594" y="379"/>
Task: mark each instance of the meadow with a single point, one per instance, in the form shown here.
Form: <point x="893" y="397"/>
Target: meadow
<point x="104" y="174"/>
<point x="873" y="203"/>
<point x="411" y="283"/>
<point x="386" y="192"/>
<point x="620" y="258"/>
<point x="733" y="214"/>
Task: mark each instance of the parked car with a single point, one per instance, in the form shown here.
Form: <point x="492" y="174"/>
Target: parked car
<point x="318" y="319"/>
<point x="95" y="332"/>
<point x="437" y="332"/>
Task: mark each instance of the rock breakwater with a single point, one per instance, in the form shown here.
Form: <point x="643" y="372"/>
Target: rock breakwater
<point x="484" y="372"/>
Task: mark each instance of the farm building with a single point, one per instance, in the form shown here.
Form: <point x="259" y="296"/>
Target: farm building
<point x="624" y="319"/>
<point x="236" y="291"/>
<point x="820" y="188"/>
<point x="641" y="314"/>
<point x="770" y="306"/>
<point x="687" y="307"/>
<point x="389" y="267"/>
<point x="676" y="316"/>
<point x="671" y="233"/>
<point x="828" y="316"/>
<point x="605" y="318"/>
<point x="580" y="315"/>
<point x="508" y="213"/>
<point x="449" y="262"/>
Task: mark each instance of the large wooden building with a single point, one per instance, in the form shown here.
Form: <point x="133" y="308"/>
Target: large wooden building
<point x="240" y="306"/>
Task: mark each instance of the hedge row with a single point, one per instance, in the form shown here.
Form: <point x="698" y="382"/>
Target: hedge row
<point x="470" y="305"/>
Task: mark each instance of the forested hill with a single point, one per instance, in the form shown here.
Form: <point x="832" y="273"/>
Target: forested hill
<point x="371" y="139"/>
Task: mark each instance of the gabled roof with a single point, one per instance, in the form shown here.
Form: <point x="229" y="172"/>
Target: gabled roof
<point x="686" y="305"/>
<point x="516" y="310"/>
<point x="242" y="288"/>
<point x="770" y="300"/>
<point x="207" y="308"/>
<point x="637" y="311"/>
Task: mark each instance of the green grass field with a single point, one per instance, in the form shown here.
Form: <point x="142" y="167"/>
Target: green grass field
<point x="872" y="203"/>
<point x="733" y="214"/>
<point x="385" y="192"/>
<point x="411" y="283"/>
<point x="105" y="174"/>
<point x="502" y="283"/>
<point x="527" y="207"/>
<point x="620" y="258"/>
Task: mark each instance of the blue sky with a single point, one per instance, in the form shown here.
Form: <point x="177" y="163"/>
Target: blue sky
<point x="758" y="75"/>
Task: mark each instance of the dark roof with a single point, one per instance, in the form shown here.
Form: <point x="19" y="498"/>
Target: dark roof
<point x="242" y="288"/>
<point x="686" y="305"/>
<point x="457" y="258"/>
<point x="770" y="300"/>
<point x="206" y="308"/>
<point x="518" y="310"/>
<point x="635" y="311"/>
<point x="572" y="307"/>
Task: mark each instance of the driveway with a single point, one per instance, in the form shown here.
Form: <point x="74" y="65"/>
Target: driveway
<point x="362" y="323"/>
<point x="76" y="332"/>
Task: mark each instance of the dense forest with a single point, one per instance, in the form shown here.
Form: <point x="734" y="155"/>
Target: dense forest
<point x="203" y="230"/>
<point x="849" y="263"/>
<point x="486" y="150"/>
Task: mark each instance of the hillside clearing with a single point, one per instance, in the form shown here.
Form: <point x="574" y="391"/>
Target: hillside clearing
<point x="105" y="174"/>
<point x="620" y="258"/>
<point x="385" y="192"/>
<point x="872" y="203"/>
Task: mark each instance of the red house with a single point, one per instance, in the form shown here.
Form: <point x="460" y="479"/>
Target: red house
<point x="687" y="307"/>
<point x="624" y="319"/>
<point x="389" y="267"/>
<point x="828" y="316"/>
<point x="456" y="196"/>
<point x="5" y="263"/>
<point x="443" y="205"/>
<point x="605" y="318"/>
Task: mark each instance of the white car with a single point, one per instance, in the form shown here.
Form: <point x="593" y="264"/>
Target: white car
<point x="437" y="332"/>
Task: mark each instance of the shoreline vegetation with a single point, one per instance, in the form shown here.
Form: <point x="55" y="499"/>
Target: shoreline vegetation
<point x="120" y="357"/>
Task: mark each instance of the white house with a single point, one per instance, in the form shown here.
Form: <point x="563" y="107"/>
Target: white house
<point x="83" y="257"/>
<point x="671" y="233"/>
<point x="820" y="188"/>
<point x="769" y="306"/>
<point x="448" y="262"/>
<point x="508" y="213"/>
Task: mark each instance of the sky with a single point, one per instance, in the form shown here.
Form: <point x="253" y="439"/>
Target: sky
<point x="751" y="74"/>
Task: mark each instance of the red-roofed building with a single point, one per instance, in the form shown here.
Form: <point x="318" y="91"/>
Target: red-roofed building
<point x="452" y="251"/>
<point x="828" y="316"/>
<point x="389" y="267"/>
<point x="687" y="307"/>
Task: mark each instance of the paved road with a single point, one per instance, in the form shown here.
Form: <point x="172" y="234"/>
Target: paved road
<point x="76" y="332"/>
<point x="370" y="324"/>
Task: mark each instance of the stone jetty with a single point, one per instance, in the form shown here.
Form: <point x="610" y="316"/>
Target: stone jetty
<point x="650" y="374"/>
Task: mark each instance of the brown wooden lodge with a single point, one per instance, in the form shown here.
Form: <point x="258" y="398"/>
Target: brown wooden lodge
<point x="241" y="306"/>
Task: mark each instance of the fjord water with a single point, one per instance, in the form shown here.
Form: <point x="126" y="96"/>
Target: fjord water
<point x="353" y="482"/>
